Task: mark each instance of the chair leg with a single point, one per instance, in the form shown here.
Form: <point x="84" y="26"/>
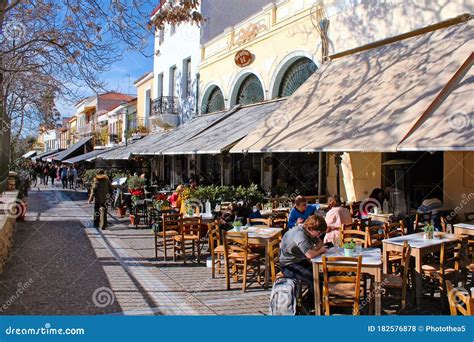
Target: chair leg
<point x="259" y="278"/>
<point x="227" y="275"/>
<point x="165" y="248"/>
<point x="183" y="250"/>
<point x="213" y="265"/>
<point x="174" y="250"/>
<point x="244" y="279"/>
<point x="156" y="246"/>
<point x="198" y="252"/>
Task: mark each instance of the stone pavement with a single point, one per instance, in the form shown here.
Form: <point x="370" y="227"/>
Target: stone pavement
<point x="61" y="265"/>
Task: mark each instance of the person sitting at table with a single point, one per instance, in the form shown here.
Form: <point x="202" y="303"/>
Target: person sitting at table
<point x="301" y="211"/>
<point x="256" y="212"/>
<point x="175" y="197"/>
<point x="227" y="218"/>
<point x="335" y="218"/>
<point x="298" y="246"/>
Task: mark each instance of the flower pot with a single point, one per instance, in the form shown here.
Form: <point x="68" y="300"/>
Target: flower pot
<point x="428" y="236"/>
<point x="237" y="228"/>
<point x="121" y="211"/>
<point x="349" y="252"/>
<point x="132" y="220"/>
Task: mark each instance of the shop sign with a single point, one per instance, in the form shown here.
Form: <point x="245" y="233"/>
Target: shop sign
<point x="243" y="58"/>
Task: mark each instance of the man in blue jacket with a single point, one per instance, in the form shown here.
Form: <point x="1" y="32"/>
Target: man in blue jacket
<point x="301" y="211"/>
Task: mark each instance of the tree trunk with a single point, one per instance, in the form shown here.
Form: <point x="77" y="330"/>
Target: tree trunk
<point x="4" y="120"/>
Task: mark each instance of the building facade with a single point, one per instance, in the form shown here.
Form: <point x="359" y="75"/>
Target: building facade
<point x="144" y="86"/>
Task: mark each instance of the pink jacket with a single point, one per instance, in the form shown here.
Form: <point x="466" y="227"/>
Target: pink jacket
<point x="335" y="218"/>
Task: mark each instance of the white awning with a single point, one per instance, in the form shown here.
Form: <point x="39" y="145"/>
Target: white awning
<point x="29" y="154"/>
<point x="366" y="101"/>
<point x="449" y="125"/>
<point x="225" y="133"/>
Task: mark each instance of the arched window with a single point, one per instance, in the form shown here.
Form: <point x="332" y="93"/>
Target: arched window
<point x="250" y="91"/>
<point x="295" y="76"/>
<point x="215" y="101"/>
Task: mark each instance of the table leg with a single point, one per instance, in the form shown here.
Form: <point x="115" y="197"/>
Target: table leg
<point x="385" y="258"/>
<point x="378" y="292"/>
<point x="418" y="278"/>
<point x="317" y="294"/>
<point x="267" y="265"/>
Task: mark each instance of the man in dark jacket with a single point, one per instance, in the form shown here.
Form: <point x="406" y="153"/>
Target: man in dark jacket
<point x="100" y="190"/>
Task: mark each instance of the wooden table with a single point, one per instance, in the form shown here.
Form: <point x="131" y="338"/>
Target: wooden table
<point x="385" y="218"/>
<point x="463" y="229"/>
<point x="419" y="248"/>
<point x="260" y="235"/>
<point x="371" y="264"/>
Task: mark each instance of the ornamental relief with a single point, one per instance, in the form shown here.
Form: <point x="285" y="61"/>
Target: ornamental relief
<point x="247" y="34"/>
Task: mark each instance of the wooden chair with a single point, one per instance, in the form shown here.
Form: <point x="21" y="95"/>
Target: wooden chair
<point x="189" y="235"/>
<point x="354" y="235"/>
<point x="355" y="225"/>
<point x="170" y="228"/>
<point x="237" y="255"/>
<point x="341" y="285"/>
<point x="459" y="301"/>
<point x="392" y="230"/>
<point x="259" y="222"/>
<point x="447" y="268"/>
<point x="421" y="220"/>
<point x="399" y="280"/>
<point x="274" y="256"/>
<point x="469" y="216"/>
<point x="374" y="236"/>
<point x="216" y="248"/>
<point x="280" y="222"/>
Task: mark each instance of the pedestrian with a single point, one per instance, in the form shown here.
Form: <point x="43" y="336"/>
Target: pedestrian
<point x="53" y="173"/>
<point x="72" y="175"/>
<point x="99" y="192"/>
<point x="46" y="170"/>
<point x="63" y="171"/>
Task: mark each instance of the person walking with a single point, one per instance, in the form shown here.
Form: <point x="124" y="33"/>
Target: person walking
<point x="72" y="175"/>
<point x="99" y="192"/>
<point x="63" y="172"/>
<point x="46" y="170"/>
<point x="53" y="173"/>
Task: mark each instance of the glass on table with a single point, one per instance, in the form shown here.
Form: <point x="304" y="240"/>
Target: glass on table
<point x="336" y="242"/>
<point x="358" y="247"/>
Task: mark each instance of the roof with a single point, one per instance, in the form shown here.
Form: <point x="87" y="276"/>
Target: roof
<point x="72" y="149"/>
<point x="88" y="156"/>
<point x="46" y="154"/>
<point x="225" y="133"/>
<point x="29" y="154"/>
<point x="366" y="101"/>
<point x="145" y="77"/>
<point x="449" y="124"/>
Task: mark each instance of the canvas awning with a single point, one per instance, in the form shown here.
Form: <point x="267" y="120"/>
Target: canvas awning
<point x="72" y="150"/>
<point x="449" y="125"/>
<point x="367" y="100"/>
<point x="46" y="154"/>
<point x="29" y="154"/>
<point x="180" y="134"/>
<point x="90" y="156"/>
<point x="225" y="133"/>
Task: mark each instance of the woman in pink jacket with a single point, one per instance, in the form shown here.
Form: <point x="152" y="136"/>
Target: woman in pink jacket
<point x="335" y="218"/>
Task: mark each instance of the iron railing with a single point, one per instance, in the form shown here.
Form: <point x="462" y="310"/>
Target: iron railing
<point x="165" y="105"/>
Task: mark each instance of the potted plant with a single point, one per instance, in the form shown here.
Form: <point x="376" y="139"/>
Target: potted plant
<point x="428" y="231"/>
<point x="135" y="183"/>
<point x="237" y="225"/>
<point x="349" y="248"/>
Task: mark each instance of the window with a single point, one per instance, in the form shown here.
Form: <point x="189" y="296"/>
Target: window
<point x="147" y="106"/>
<point x="172" y="82"/>
<point x="161" y="37"/>
<point x="187" y="84"/>
<point x="250" y="91"/>
<point x="295" y="76"/>
<point x="160" y="85"/>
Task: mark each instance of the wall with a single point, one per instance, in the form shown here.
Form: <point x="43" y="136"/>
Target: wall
<point x="183" y="44"/>
<point x="142" y="87"/>
<point x="7" y="228"/>
<point x="458" y="185"/>
<point x="360" y="174"/>
<point x="286" y="31"/>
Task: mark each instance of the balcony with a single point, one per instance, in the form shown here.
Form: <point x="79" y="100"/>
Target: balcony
<point x="164" y="112"/>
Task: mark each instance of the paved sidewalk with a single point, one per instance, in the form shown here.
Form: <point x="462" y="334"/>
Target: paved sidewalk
<point x="61" y="265"/>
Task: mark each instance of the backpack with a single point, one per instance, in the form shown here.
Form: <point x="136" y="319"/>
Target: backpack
<point x="284" y="297"/>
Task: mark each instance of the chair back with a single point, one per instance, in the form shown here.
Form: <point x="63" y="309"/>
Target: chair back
<point x="469" y="216"/>
<point x="258" y="221"/>
<point x="190" y="225"/>
<point x="171" y="222"/>
<point x="459" y="301"/>
<point x="394" y="229"/>
<point x="274" y="255"/>
<point x="374" y="236"/>
<point x="341" y="272"/>
<point x="422" y="219"/>
<point x="405" y="267"/>
<point x="214" y="236"/>
<point x="365" y="222"/>
<point x="355" y="225"/>
<point x="354" y="235"/>
<point x="279" y="222"/>
<point x="236" y="242"/>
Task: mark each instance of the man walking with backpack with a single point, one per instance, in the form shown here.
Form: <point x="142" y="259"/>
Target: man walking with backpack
<point x="100" y="190"/>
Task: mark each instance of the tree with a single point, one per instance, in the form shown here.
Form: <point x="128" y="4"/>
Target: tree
<point x="59" y="48"/>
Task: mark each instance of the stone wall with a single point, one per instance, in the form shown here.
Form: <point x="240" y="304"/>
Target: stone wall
<point x="7" y="226"/>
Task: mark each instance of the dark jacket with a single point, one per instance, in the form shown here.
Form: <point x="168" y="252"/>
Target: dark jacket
<point x="100" y="188"/>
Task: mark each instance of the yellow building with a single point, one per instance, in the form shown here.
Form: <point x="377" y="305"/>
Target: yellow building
<point x="144" y="87"/>
<point x="73" y="137"/>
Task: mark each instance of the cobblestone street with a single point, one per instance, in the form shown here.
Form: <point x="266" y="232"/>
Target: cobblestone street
<point x="61" y="265"/>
